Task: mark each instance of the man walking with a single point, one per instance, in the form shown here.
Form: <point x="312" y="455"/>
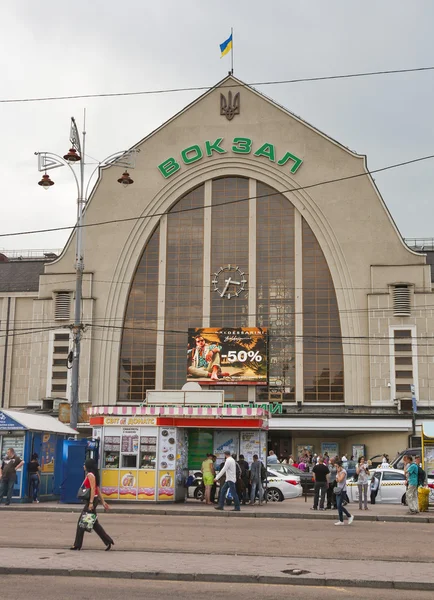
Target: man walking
<point x="256" y="480"/>
<point x="412" y="474"/>
<point x="245" y="478"/>
<point x="321" y="475"/>
<point x="230" y="471"/>
<point x="8" y="474"/>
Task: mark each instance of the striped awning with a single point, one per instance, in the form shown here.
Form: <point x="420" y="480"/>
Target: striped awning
<point x="179" y="411"/>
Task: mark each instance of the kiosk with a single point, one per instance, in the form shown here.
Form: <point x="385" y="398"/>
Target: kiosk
<point x="145" y="451"/>
<point x="29" y="433"/>
<point x="428" y="448"/>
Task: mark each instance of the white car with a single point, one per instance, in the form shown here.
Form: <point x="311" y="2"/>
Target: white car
<point x="282" y="487"/>
<point x="391" y="489"/>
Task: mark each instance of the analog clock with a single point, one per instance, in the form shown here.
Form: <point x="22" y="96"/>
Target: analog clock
<point x="229" y="281"/>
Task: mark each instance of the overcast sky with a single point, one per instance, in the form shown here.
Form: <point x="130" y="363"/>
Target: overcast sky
<point x="54" y="48"/>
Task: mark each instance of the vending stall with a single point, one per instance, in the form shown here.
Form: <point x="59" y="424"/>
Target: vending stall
<point x="145" y="450"/>
<point x="29" y="433"/>
<point x="428" y="448"/>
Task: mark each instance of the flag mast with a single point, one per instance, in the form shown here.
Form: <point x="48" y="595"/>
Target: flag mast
<point x="232" y="52"/>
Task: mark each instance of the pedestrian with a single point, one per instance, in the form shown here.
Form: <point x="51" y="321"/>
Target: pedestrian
<point x="326" y="459"/>
<point x="344" y="461"/>
<point x="314" y="459"/>
<point x="422" y="479"/>
<point x="8" y="474"/>
<point x="35" y="477"/>
<point x="92" y="482"/>
<point x="245" y="478"/>
<point x="340" y="490"/>
<point x="321" y="475"/>
<point x="229" y="469"/>
<point x="214" y="485"/>
<point x="303" y="466"/>
<point x="362" y="482"/>
<point x="208" y="474"/>
<point x="290" y="460"/>
<point x="384" y="462"/>
<point x="256" y="480"/>
<point x="272" y="458"/>
<point x="331" y="498"/>
<point x="375" y="484"/>
<point x="411" y="473"/>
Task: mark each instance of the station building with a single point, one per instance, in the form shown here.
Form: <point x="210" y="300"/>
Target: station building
<point x="235" y="184"/>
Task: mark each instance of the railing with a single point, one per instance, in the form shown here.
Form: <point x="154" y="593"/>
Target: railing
<point x="31" y="253"/>
<point x="420" y="244"/>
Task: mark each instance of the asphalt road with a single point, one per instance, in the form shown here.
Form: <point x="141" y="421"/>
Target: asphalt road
<point x="68" y="588"/>
<point x="263" y="537"/>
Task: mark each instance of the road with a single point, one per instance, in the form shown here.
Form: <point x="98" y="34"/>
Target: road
<point x="262" y="537"/>
<point x="53" y="588"/>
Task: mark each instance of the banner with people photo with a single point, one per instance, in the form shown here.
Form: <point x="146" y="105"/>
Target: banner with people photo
<point x="227" y="356"/>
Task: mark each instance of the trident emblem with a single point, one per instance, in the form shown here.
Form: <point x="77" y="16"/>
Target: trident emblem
<point x="228" y="108"/>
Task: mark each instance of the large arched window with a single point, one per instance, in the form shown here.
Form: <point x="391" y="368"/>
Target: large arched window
<point x="238" y="221"/>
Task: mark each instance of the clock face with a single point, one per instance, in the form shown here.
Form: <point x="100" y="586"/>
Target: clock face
<point x="229" y="281"/>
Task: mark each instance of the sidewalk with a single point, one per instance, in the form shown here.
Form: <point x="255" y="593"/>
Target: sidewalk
<point x="288" y="509"/>
<point x="217" y="568"/>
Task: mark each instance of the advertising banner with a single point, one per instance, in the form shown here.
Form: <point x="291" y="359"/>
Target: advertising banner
<point x="227" y="356"/>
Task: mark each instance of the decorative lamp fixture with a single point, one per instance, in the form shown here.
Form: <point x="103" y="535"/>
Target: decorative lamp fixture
<point x="72" y="156"/>
<point x="125" y="180"/>
<point x="46" y="182"/>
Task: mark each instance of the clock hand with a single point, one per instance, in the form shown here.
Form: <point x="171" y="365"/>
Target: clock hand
<point x="235" y="282"/>
<point x="228" y="281"/>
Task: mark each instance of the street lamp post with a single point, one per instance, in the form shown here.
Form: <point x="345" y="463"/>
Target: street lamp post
<point x="76" y="154"/>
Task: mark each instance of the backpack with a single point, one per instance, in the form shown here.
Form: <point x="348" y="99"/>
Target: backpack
<point x="421" y="476"/>
<point x="263" y="472"/>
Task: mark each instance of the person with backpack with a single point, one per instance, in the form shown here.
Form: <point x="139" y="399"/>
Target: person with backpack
<point x="256" y="477"/>
<point x="245" y="478"/>
<point x="422" y="479"/>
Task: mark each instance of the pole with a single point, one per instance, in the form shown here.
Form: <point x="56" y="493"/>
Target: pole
<point x="232" y="52"/>
<point x="79" y="267"/>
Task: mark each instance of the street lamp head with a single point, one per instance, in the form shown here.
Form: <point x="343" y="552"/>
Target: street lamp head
<point x="46" y="182"/>
<point x="125" y="179"/>
<point x="72" y="156"/>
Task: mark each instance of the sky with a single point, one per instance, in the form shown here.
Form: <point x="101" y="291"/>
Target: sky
<point x="54" y="48"/>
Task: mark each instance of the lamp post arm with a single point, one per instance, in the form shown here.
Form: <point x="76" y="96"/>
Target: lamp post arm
<point x="110" y="160"/>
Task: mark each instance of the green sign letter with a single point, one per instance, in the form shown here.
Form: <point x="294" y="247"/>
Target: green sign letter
<point x="242" y="145"/>
<point x="169" y="167"/>
<point x="215" y="146"/>
<point x="266" y="150"/>
<point x="191" y="159"/>
<point x="288" y="156"/>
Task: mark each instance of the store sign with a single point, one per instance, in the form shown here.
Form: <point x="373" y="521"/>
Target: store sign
<point x="227" y="356"/>
<point x="8" y="424"/>
<point x="239" y="145"/>
<point x="130" y="421"/>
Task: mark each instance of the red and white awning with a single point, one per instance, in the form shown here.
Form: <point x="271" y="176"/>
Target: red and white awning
<point x="179" y="411"/>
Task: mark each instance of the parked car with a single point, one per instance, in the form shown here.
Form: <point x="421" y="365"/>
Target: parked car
<point x="398" y="461"/>
<point x="281" y="486"/>
<point x="392" y="487"/>
<point x="306" y="478"/>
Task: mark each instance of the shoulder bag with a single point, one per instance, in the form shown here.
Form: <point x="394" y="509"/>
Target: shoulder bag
<point x="83" y="493"/>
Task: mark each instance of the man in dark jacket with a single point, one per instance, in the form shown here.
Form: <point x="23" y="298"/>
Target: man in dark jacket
<point x="8" y="474"/>
<point x="245" y="478"/>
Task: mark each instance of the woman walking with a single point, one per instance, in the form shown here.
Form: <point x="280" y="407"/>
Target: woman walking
<point x="35" y="477"/>
<point x="362" y="481"/>
<point x="91" y="483"/>
<point x="340" y="491"/>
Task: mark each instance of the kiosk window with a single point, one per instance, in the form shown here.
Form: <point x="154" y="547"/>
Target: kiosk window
<point x="148" y="452"/>
<point x="112" y="447"/>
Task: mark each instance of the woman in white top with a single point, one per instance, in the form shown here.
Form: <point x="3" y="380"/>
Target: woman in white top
<point x="362" y="481"/>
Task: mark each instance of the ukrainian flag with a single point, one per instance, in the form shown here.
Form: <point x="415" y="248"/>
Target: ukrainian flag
<point x="226" y="46"/>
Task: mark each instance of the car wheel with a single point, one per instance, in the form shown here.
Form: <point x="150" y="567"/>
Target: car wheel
<point x="198" y="494"/>
<point x="404" y="500"/>
<point x="274" y="495"/>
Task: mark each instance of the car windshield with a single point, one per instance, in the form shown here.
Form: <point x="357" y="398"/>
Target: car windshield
<point x="287" y="470"/>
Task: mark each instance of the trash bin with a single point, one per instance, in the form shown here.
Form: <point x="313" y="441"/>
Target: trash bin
<point x="423" y="498"/>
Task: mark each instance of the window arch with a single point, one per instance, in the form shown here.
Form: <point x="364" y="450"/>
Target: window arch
<point x="171" y="292"/>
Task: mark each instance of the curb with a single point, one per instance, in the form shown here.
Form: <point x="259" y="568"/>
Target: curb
<point x="229" y="514"/>
<point x="215" y="578"/>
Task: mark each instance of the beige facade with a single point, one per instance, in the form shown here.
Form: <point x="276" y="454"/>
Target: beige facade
<point x="331" y="191"/>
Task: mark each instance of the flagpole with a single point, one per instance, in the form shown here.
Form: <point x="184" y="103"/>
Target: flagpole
<point x="232" y="52"/>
